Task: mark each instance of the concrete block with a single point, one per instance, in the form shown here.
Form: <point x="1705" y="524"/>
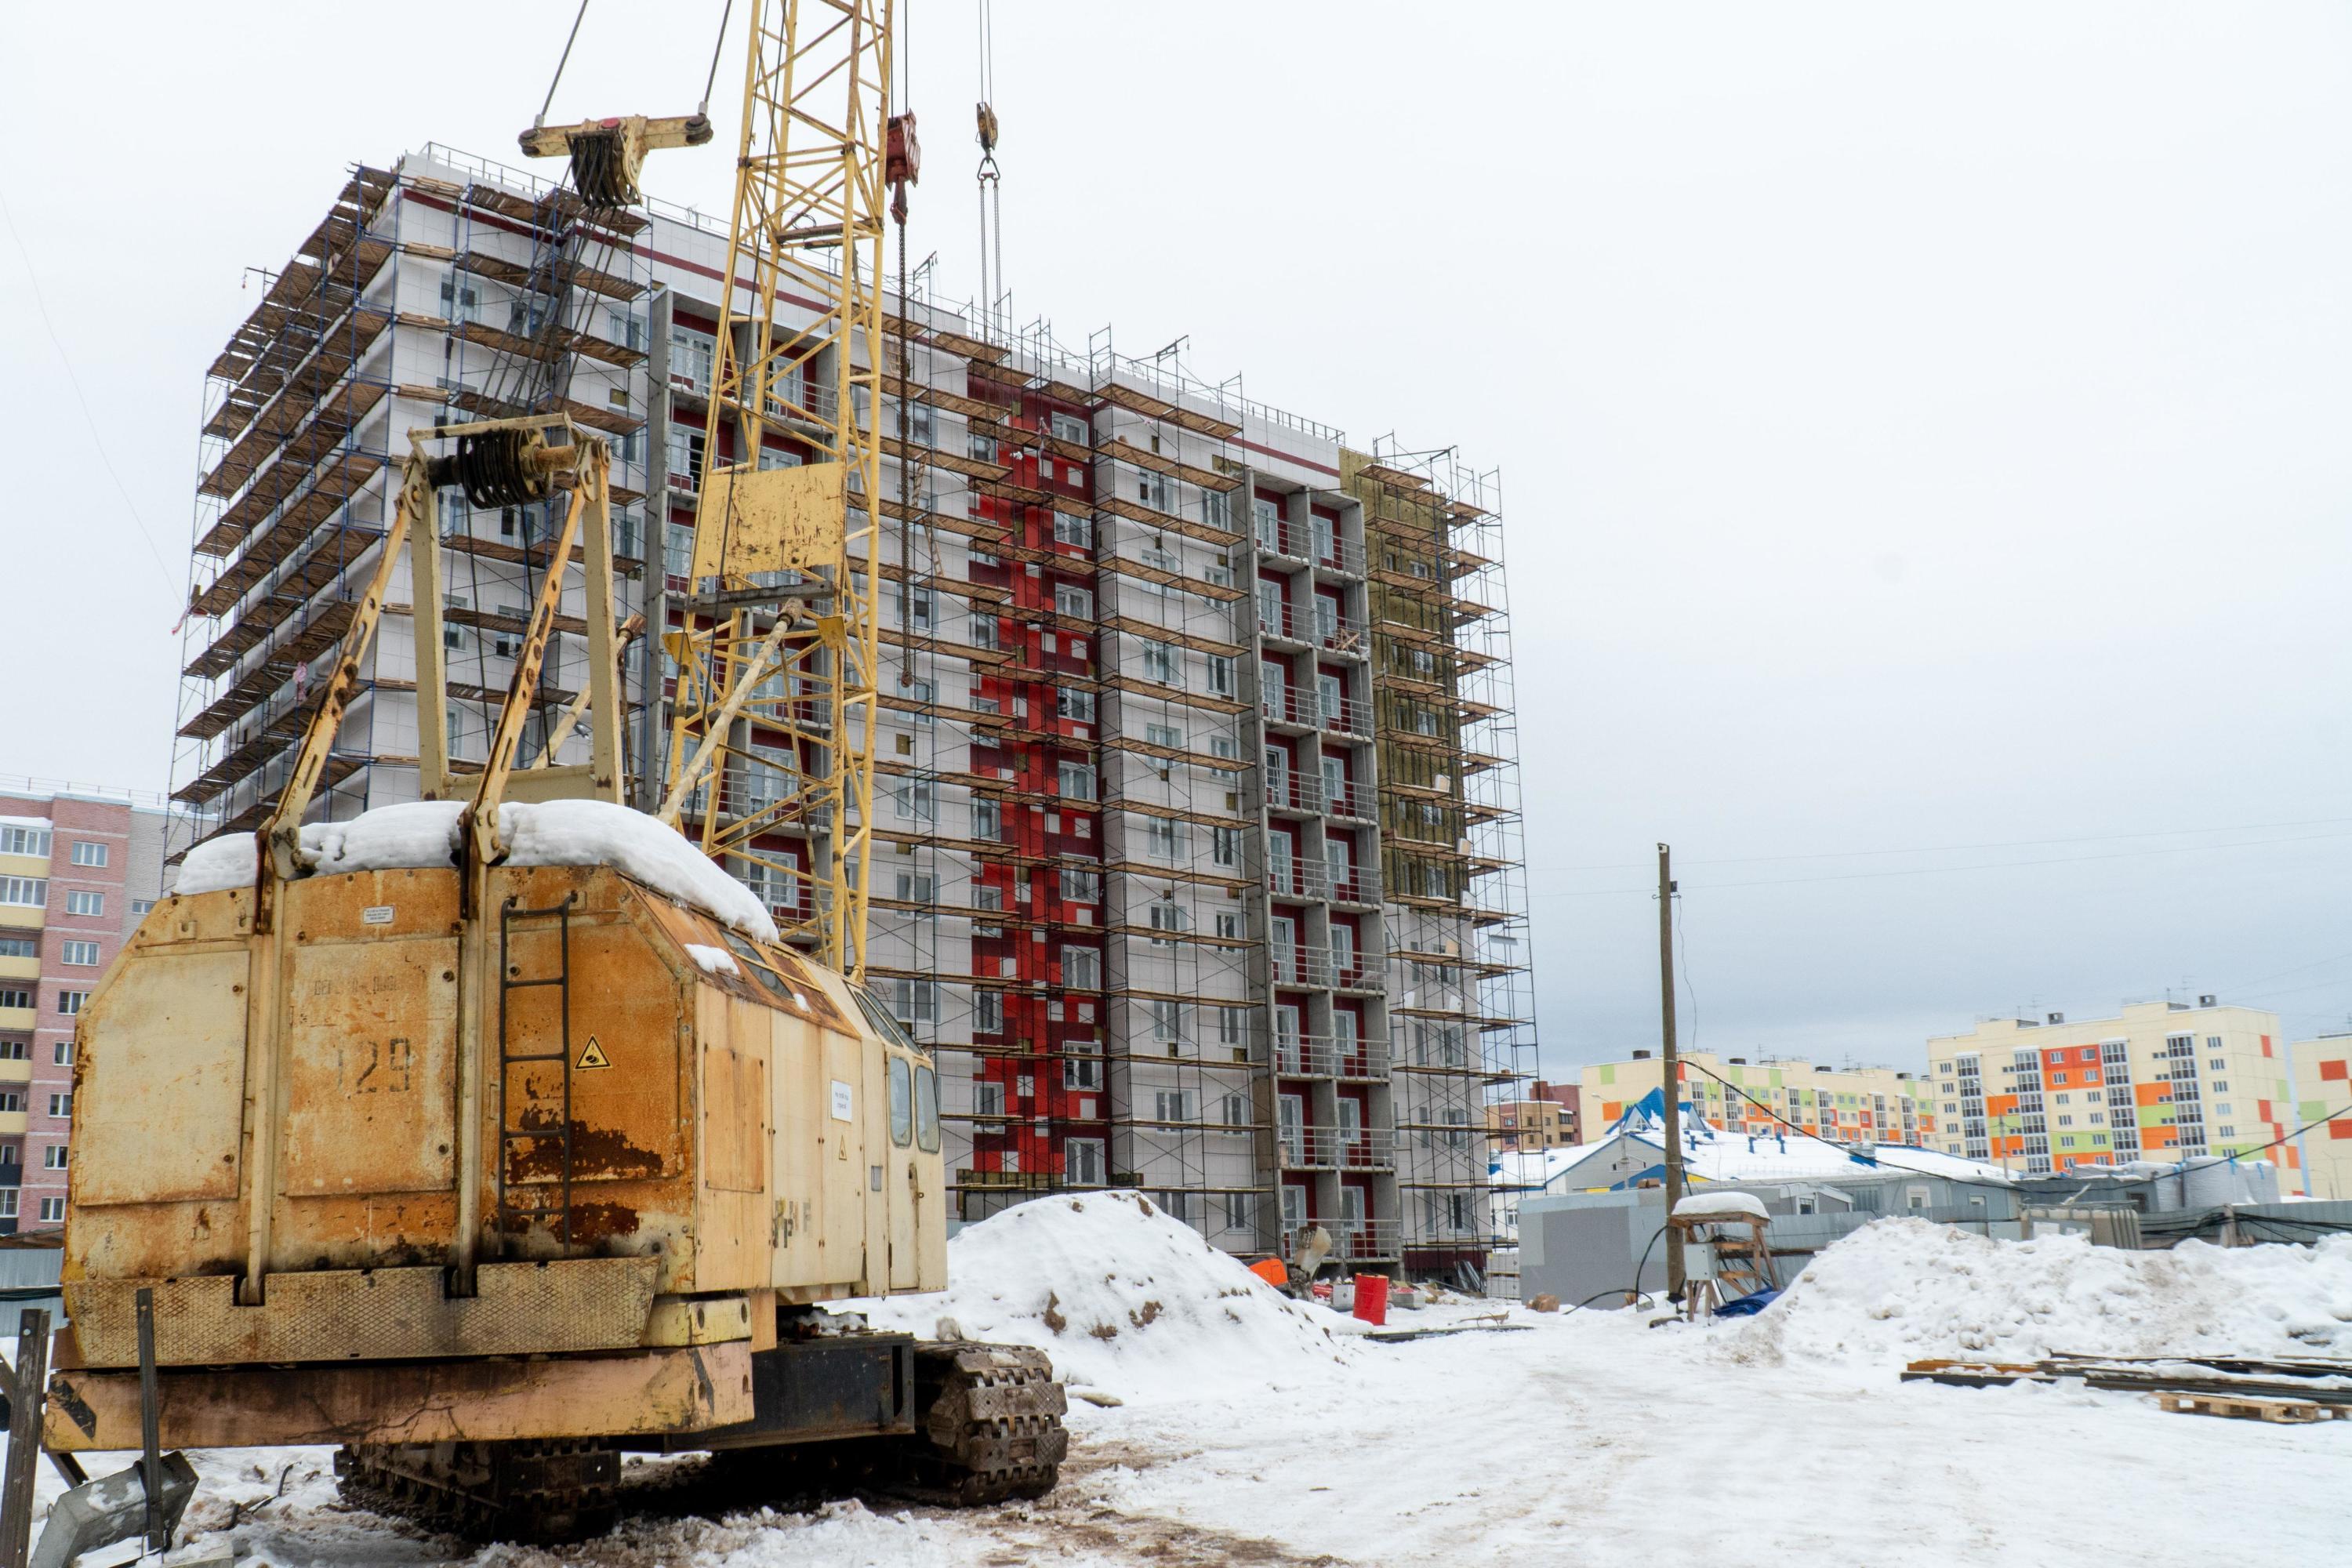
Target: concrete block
<point x="110" y="1509"/>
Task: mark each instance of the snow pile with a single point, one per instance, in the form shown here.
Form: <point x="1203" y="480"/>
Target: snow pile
<point x="1699" y="1204"/>
<point x="1123" y="1297"/>
<point x="549" y="832"/>
<point x="1902" y="1290"/>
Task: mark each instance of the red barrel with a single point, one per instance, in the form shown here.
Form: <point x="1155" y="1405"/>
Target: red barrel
<point x="1372" y="1299"/>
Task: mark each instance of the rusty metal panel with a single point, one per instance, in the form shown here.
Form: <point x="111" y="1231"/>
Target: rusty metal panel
<point x="626" y="1000"/>
<point x="162" y="1082"/>
<point x="369" y="1067"/>
<point x="646" y="1391"/>
<point x="735" y="1100"/>
<point x="379" y="1314"/>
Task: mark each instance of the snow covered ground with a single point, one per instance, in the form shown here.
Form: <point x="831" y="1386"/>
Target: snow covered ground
<point x="1587" y="1438"/>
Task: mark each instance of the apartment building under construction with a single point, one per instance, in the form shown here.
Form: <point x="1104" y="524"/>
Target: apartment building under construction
<point x="1196" y="830"/>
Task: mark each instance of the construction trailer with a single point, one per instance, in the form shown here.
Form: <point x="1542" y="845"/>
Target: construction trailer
<point x="1195" y="841"/>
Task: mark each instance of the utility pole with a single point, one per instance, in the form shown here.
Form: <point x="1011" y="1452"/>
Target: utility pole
<point x="1670" y="1070"/>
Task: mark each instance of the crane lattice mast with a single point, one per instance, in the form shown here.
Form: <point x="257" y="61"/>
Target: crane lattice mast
<point x="782" y="636"/>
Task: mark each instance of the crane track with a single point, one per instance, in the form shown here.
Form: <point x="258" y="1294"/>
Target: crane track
<point x="539" y="1493"/>
<point x="989" y="1427"/>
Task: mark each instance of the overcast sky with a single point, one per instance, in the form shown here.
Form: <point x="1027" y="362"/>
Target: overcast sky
<point x="1918" y="427"/>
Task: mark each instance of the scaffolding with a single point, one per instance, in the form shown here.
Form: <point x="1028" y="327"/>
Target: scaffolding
<point x="443" y="288"/>
<point x="1462" y="1003"/>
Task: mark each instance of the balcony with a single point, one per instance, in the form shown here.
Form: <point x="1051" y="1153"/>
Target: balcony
<point x="1349" y="800"/>
<point x="1336" y="1149"/>
<point x="1301" y="965"/>
<point x="1342" y="633"/>
<point x="1365" y="1240"/>
<point x="1344" y="715"/>
<point x="1316" y="711"/>
<point x="1293" y="792"/>
<point x="1280" y="622"/>
<point x="1296" y="877"/>
<point x="1331" y="1055"/>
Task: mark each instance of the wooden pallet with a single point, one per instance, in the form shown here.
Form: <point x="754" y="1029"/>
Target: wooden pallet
<point x="2284" y="1412"/>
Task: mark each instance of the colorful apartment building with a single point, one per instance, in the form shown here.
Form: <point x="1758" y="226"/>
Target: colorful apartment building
<point x="2323" y="1110"/>
<point x="1737" y="1094"/>
<point x="77" y="872"/>
<point x="2161" y="1080"/>
<point x="1196" y="825"/>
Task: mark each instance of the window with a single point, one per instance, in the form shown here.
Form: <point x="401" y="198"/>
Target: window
<point x="1070" y="600"/>
<point x="1166" y="735"/>
<point x="53" y="1210"/>
<point x="1075" y="705"/>
<point x="1164" y="837"/>
<point x="917" y="887"/>
<point x="1081" y="967"/>
<point x="1082" y="887"/>
<point x="1080" y="1070"/>
<point x="88" y="853"/>
<point x="1082" y="1158"/>
<point x="81" y="954"/>
<point x="8" y="1202"/>
<point x="11" y="1100"/>
<point x="914" y="1001"/>
<point x="914" y="800"/>
<point x="988" y="1103"/>
<point x="53" y="1158"/>
<point x="460" y="301"/>
<point x="141" y="906"/>
<point x="61" y="1105"/>
<point x="691" y="354"/>
<point x="62" y="1053"/>
<point x="1167" y="917"/>
<point x="17" y="1051"/>
<point x="1175" y="1105"/>
<point x="1221" y="675"/>
<point x="1159" y="661"/>
<point x="988" y="1011"/>
<point x="927" y="1109"/>
<point x="1229" y="1026"/>
<point x="902" y="1103"/>
<point x="69" y="1001"/>
<point x="1076" y="780"/>
<point x="33" y="891"/>
<point x="85" y="903"/>
<point x="1076" y="530"/>
<point x="14" y="998"/>
<point x="1225" y="846"/>
<point x="1167" y="1021"/>
<point x="987" y="820"/>
<point x="24" y="841"/>
<point x="19" y="947"/>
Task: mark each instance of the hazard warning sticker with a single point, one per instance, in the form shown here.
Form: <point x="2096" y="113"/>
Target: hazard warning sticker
<point x="592" y="1058"/>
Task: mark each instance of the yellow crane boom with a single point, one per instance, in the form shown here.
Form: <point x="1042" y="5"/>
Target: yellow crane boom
<point x="782" y="639"/>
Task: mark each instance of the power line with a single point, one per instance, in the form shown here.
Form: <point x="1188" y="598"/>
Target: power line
<point x="42" y="304"/>
<point x="1995" y="844"/>
<point x="1939" y="870"/>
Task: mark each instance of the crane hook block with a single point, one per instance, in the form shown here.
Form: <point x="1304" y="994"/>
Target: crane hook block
<point x="902" y="163"/>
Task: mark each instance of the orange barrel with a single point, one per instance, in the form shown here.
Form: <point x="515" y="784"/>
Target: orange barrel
<point x="1372" y="1299"/>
